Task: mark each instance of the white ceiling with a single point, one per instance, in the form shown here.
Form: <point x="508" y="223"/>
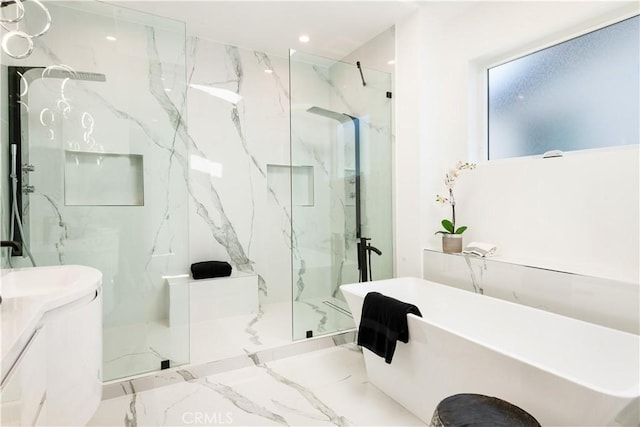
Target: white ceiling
<point x="336" y="28"/>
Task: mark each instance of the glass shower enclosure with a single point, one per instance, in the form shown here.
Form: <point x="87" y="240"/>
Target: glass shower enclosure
<point x="341" y="183"/>
<point x="91" y="122"/>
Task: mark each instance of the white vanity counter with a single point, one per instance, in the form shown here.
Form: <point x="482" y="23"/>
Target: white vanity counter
<point x="28" y="293"/>
<point x="51" y="343"/>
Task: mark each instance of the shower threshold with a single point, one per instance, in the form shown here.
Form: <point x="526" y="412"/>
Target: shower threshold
<point x="151" y="380"/>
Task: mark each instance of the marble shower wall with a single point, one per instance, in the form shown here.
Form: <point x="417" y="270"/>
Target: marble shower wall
<point x="326" y="231"/>
<point x="241" y="188"/>
<point x="600" y="300"/>
<point x="372" y="106"/>
<point x="236" y="134"/>
<point x="314" y="141"/>
<point x="239" y="165"/>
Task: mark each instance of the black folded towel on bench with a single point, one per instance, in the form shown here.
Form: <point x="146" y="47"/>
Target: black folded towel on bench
<point x="383" y="322"/>
<point x="209" y="269"/>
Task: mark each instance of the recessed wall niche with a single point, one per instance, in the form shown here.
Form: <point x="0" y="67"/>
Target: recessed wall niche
<point x="103" y="179"/>
<point x="295" y="179"/>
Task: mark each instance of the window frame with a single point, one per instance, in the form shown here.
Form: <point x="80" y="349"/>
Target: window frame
<point x="479" y="73"/>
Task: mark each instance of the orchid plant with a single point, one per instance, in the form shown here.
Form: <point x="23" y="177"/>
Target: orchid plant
<point x="449" y="181"/>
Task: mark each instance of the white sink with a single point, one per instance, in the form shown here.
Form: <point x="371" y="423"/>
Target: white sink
<point x="28" y="293"/>
<point x="41" y="281"/>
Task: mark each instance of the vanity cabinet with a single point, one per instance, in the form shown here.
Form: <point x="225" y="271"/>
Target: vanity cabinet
<point x="74" y="363"/>
<point x="25" y="385"/>
<point x="57" y="377"/>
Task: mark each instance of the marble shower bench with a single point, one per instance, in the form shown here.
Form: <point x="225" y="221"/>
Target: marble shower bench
<point x="211" y="299"/>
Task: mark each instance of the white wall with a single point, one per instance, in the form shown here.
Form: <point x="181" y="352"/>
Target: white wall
<point x="578" y="213"/>
<point x="408" y="109"/>
<point x="376" y="53"/>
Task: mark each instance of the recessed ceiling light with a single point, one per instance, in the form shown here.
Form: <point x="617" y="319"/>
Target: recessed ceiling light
<point x="167" y="90"/>
<point x="111" y="38"/>
<point x="268" y="71"/>
<point x="391" y="61"/>
<point x="304" y="38"/>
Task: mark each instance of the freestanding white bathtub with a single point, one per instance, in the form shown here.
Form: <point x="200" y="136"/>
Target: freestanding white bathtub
<point x="563" y="371"/>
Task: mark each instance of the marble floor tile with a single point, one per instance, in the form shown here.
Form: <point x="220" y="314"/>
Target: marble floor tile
<point x="139" y="348"/>
<point x="320" y="315"/>
<point x="240" y="334"/>
<point x="325" y="387"/>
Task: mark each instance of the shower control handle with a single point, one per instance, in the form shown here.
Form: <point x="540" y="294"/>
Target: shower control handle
<point x="28" y="189"/>
<point x="28" y="168"/>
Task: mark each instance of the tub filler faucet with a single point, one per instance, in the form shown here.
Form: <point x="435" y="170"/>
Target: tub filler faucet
<point x="11" y="244"/>
<point x="364" y="258"/>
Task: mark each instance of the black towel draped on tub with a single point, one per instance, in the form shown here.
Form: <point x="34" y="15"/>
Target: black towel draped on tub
<point x="383" y="322"/>
<point x="210" y="269"/>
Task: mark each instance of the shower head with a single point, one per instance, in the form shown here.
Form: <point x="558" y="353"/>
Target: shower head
<point x="73" y="75"/>
<point x="341" y="117"/>
<point x="31" y="74"/>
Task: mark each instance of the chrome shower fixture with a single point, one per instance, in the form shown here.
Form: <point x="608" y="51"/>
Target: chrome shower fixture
<point x="59" y="73"/>
<point x="364" y="247"/>
<point x="341" y="117"/>
<point x="18" y="81"/>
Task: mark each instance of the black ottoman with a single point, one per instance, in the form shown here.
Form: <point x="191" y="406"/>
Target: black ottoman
<point x="476" y="410"/>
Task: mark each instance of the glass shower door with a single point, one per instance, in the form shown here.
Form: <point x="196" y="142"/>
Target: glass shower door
<point x="340" y="187"/>
<point x="103" y="172"/>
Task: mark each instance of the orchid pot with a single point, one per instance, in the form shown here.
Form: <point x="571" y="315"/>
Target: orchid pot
<point x="451" y="243"/>
<point x="451" y="233"/>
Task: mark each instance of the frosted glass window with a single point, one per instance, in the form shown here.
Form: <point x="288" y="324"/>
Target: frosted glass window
<point x="579" y="94"/>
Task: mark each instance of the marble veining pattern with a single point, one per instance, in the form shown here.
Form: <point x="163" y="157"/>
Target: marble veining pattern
<point x="247" y="135"/>
<point x="64" y="232"/>
<point x="235" y="58"/>
<point x="499" y="277"/>
<point x="225" y="233"/>
<point x="60" y="244"/>
<point x="125" y="118"/>
<point x="329" y="148"/>
<point x="253" y="334"/>
<point x="322" y="75"/>
<point x="474" y="281"/>
<point x="233" y="55"/>
<point x="310" y="397"/>
<point x="303" y="413"/>
<point x="209" y="360"/>
<point x="242" y="402"/>
<point x="131" y="416"/>
<point x="283" y="91"/>
<point x="156" y="75"/>
<point x="285" y="392"/>
<point x="322" y="313"/>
